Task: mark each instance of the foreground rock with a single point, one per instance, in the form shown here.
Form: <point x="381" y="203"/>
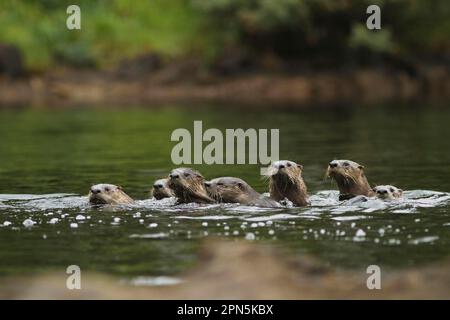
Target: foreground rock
<point x="239" y="270"/>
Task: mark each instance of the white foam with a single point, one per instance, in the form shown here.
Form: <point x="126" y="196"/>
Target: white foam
<point x="153" y="281"/>
<point x="28" y="223"/>
<point x="427" y="239"/>
<point x="150" y="235"/>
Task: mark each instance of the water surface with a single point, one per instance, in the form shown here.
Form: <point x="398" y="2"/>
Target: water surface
<point x="49" y="158"/>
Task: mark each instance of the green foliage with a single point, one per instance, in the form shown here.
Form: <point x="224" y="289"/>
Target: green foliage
<point x="379" y="41"/>
<point x="299" y="29"/>
<point x="110" y="30"/>
<point x="306" y="28"/>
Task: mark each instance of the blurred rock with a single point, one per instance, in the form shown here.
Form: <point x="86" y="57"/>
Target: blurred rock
<point x="185" y="82"/>
<point x="231" y="61"/>
<point x="11" y="62"/>
<point x="139" y="66"/>
<point x="241" y="270"/>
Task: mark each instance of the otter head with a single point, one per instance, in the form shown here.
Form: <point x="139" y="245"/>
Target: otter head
<point x="188" y="186"/>
<point x="285" y="170"/>
<point x="108" y="194"/>
<point x="230" y="189"/>
<point x="286" y="182"/>
<point x="349" y="177"/>
<point x="161" y="190"/>
<point x="388" y="192"/>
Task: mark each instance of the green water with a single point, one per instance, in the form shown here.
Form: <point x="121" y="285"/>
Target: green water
<point x="46" y="151"/>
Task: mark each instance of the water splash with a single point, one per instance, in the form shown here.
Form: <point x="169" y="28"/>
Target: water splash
<point x="322" y="201"/>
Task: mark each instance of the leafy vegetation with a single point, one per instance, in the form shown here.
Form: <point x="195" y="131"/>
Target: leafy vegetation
<point x="110" y="30"/>
<point x="288" y="29"/>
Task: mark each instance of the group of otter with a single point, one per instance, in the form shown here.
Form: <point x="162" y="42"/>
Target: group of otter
<point x="285" y="183"/>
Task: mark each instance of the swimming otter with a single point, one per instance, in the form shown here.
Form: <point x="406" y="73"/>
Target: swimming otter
<point x="188" y="186"/>
<point x="161" y="189"/>
<point x="235" y="190"/>
<point x="350" y="179"/>
<point x="388" y="192"/>
<point x="108" y="194"/>
<point x="286" y="182"/>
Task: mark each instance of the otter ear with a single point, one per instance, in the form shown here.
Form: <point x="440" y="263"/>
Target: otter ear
<point x="300" y="166"/>
<point x="400" y="191"/>
<point x="198" y="175"/>
<point x="240" y="185"/>
<point x="361" y="167"/>
<point x="119" y="187"/>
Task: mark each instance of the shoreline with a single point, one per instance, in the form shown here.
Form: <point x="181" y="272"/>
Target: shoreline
<point x="68" y="87"/>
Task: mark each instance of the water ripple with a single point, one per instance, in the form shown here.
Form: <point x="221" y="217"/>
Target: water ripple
<point x="323" y="201"/>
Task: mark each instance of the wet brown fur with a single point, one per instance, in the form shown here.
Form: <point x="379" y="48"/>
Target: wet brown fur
<point x="162" y="192"/>
<point x="113" y="196"/>
<point x="189" y="188"/>
<point x="351" y="180"/>
<point x="236" y="190"/>
<point x="288" y="183"/>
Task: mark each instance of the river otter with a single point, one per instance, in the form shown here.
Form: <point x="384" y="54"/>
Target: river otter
<point x="388" y="192"/>
<point x="188" y="186"/>
<point x="235" y="190"/>
<point x="350" y="179"/>
<point x="108" y="194"/>
<point x="161" y="189"/>
<point x="286" y="182"/>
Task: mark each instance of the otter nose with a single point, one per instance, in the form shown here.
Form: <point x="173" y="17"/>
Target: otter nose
<point x="281" y="166"/>
<point x="174" y="176"/>
<point x="95" y="191"/>
<point x="156" y="186"/>
<point x="333" y="164"/>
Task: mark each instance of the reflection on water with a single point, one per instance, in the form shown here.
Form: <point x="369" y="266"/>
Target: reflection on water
<point x="50" y="158"/>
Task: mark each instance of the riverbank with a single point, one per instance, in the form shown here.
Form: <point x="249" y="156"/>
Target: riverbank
<point x="69" y="87"/>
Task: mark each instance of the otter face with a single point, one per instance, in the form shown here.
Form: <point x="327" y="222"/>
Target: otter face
<point x="108" y="194"/>
<point x="343" y="167"/>
<point x="285" y="169"/>
<point x="183" y="178"/>
<point x="286" y="182"/>
<point x="229" y="189"/>
<point x="161" y="189"/>
<point x="388" y="192"/>
<point x="349" y="177"/>
<point x="188" y="186"/>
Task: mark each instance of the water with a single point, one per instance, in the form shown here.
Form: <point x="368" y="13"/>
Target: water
<point x="49" y="158"/>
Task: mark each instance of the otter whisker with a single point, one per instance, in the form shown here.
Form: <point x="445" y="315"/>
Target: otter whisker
<point x="288" y="183"/>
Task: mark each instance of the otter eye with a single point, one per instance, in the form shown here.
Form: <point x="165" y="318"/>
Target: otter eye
<point x="187" y="174"/>
<point x="288" y="164"/>
<point x="391" y="189"/>
<point x="107" y="189"/>
<point x="346" y="164"/>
